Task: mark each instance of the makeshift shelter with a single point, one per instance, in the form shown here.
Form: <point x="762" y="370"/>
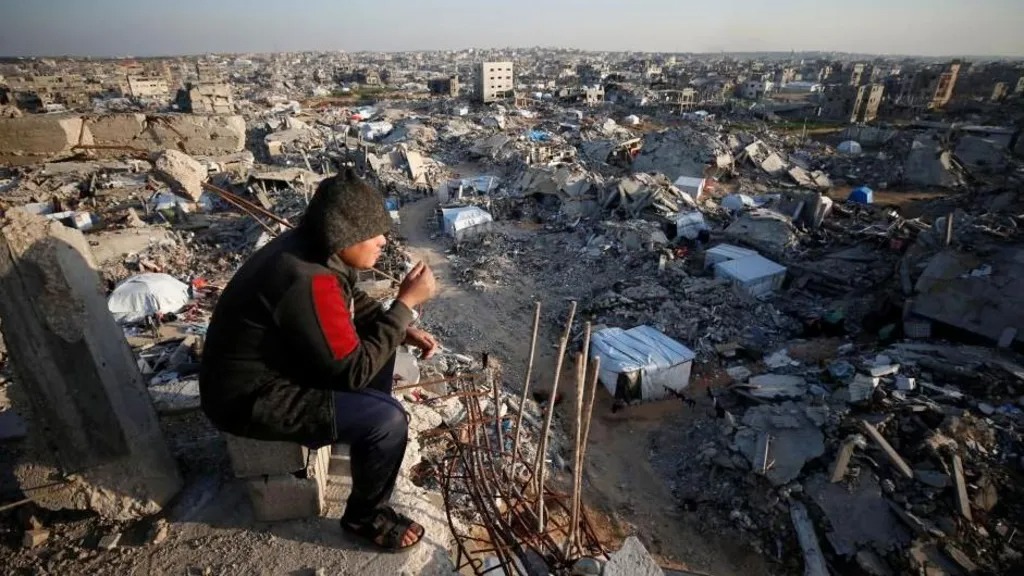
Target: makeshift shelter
<point x="861" y="195"/>
<point x="849" y="147"/>
<point x="691" y="185"/>
<point x="755" y="275"/>
<point x="459" y="222"/>
<point x="144" y="295"/>
<point x="641" y="363"/>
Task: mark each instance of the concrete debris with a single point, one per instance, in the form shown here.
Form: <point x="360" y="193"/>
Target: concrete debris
<point x="765" y="230"/>
<point x="681" y="152"/>
<point x="181" y="172"/>
<point x="35" y="538"/>
<point x="796" y="437"/>
<point x="632" y="560"/>
<point x="927" y="164"/>
<point x="777" y="386"/>
<point x="851" y="295"/>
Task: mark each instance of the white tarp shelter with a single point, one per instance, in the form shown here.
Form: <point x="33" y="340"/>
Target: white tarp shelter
<point x="458" y="221"/>
<point x="850" y="147"/>
<point x="692" y="185"/>
<point x="641" y="363"/>
<point x="144" y="295"/>
<point x="755" y="275"/>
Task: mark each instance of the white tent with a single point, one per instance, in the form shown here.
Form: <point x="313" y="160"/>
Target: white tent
<point x="641" y="363"/>
<point x="457" y="221"/>
<point x="692" y="185"/>
<point x="144" y="295"/>
<point x="849" y="147"/>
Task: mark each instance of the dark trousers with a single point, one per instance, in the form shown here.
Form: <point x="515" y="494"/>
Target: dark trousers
<point x="374" y="424"/>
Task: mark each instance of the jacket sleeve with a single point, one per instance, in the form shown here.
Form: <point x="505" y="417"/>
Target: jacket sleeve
<point x="364" y="309"/>
<point x="315" y="319"/>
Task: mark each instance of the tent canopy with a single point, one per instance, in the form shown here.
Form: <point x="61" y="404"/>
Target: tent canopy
<point x="861" y="195"/>
<point x="849" y="147"/>
<point x="457" y="220"/>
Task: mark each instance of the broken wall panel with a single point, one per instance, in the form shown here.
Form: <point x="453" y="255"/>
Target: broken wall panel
<point x="42" y="138"/>
<point x="983" y="295"/>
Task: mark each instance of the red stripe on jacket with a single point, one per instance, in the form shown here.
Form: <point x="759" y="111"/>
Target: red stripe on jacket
<point x="334" y="317"/>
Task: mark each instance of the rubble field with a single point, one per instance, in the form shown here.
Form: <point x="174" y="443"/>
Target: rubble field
<point x="852" y="391"/>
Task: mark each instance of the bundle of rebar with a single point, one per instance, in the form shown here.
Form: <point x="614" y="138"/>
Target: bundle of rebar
<point x="510" y="520"/>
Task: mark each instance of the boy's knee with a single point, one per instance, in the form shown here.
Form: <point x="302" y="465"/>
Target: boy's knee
<point x="393" y="424"/>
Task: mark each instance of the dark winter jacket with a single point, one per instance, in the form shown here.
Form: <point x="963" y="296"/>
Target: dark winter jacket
<point x="290" y="328"/>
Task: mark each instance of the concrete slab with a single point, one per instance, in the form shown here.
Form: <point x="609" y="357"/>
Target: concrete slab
<point x="796" y="438"/>
<point x="111" y="246"/>
<point x="984" y="296"/>
<point x="859" y="518"/>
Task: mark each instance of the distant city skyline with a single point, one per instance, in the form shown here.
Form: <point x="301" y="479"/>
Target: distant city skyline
<point x="111" y="28"/>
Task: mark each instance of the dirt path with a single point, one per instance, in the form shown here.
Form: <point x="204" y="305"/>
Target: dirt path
<point x="621" y="482"/>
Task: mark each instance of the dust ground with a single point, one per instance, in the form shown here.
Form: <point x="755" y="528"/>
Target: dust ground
<point x="623" y="489"/>
<point x="626" y="485"/>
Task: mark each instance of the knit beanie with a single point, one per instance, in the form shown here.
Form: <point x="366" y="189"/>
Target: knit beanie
<point x="345" y="210"/>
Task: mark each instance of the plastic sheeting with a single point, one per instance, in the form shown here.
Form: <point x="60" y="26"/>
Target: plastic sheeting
<point x="640" y="363"/>
<point x="861" y="195"/>
<point x="458" y="220"/>
<point x="691" y="185"/>
<point x="849" y="147"/>
<point x="755" y="275"/>
<point x="737" y="202"/>
<point x="374" y="130"/>
<point x="144" y="295"/>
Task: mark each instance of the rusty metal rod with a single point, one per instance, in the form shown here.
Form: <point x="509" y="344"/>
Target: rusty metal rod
<point x="541" y="462"/>
<point x="526" y="381"/>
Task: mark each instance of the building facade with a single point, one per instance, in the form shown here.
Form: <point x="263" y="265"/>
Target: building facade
<point x="449" y="86"/>
<point x="494" y="81"/>
<point x="846" y="103"/>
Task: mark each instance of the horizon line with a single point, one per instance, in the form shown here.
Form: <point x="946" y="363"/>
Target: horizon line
<point x="506" y="48"/>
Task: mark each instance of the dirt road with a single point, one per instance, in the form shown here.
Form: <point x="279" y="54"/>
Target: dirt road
<point x="622" y="485"/>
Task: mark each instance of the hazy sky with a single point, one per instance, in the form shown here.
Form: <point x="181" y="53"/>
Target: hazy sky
<point x="159" y="27"/>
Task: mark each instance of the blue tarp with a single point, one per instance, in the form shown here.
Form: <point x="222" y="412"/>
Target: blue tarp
<point x="538" y="136"/>
<point x="861" y="195"/>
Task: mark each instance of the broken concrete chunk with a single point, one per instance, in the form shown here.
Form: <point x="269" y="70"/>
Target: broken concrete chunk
<point x="34" y="538"/>
<point x="960" y="558"/>
<point x="873" y="564"/>
<point x="884" y="370"/>
<point x="796" y="439"/>
<point x="738" y="373"/>
<point x="110" y="541"/>
<point x="862" y="388"/>
<point x="859" y="514"/>
<point x="932" y="478"/>
<point x="768" y="231"/>
<point x="987" y="496"/>
<point x="632" y="560"/>
<point x="814" y="560"/>
<point x="773" y="386"/>
<point x="184" y="174"/>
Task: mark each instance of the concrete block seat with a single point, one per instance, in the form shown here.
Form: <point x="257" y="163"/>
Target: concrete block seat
<point x="287" y="481"/>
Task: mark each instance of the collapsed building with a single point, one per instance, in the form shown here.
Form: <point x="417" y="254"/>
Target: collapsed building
<point x="843" y="351"/>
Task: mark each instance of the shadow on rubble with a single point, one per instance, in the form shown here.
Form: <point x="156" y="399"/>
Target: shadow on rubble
<point x="213" y="498"/>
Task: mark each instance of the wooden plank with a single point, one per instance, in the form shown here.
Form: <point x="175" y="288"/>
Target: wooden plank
<point x="890" y="452"/>
<point x="962" y="502"/>
<point x="843" y="460"/>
